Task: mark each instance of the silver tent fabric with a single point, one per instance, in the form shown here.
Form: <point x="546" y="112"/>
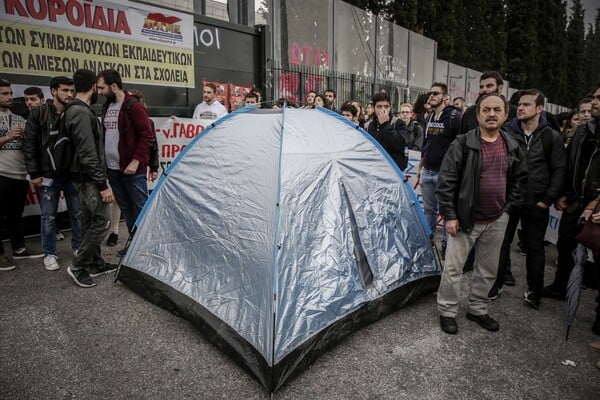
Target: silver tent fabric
<point x="261" y="218"/>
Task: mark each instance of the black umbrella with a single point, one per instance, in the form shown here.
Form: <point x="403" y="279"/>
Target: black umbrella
<point x="574" y="285"/>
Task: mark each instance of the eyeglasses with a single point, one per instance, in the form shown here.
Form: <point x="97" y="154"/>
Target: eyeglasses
<point x="429" y="94"/>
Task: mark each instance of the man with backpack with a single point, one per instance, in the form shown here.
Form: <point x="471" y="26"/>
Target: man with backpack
<point x="88" y="172"/>
<point x="39" y="137"/>
<point x="129" y="136"/>
<point x="546" y="162"/>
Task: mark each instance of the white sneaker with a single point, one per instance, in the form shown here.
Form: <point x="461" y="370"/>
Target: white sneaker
<point x="60" y="235"/>
<point x="51" y="262"/>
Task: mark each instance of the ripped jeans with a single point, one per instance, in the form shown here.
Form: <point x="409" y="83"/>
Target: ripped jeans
<point x="49" y="197"/>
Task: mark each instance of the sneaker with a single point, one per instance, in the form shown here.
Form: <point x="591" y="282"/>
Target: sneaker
<point x="81" y="277"/>
<point x="448" y="325"/>
<point x="95" y="271"/>
<point x="509" y="279"/>
<point x="23" y="253"/>
<point x="122" y="252"/>
<point x="60" y="235"/>
<point x="485" y="321"/>
<point x="6" y="264"/>
<point x="51" y="262"/>
<point x="112" y="240"/>
<point x="532" y="298"/>
<point x="495" y="291"/>
<point x="595" y="346"/>
<point x="553" y="293"/>
<point x="75" y="253"/>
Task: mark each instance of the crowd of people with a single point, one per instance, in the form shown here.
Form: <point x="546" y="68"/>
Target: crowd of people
<point x="483" y="169"/>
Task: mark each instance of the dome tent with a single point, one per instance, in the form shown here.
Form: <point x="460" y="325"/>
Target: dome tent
<point x="278" y="232"/>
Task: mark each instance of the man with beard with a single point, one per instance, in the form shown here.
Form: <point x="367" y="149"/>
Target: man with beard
<point x="13" y="182"/>
<point x="128" y="138"/>
<point x="489" y="82"/>
<point x="546" y="162"/>
<point x="42" y="120"/>
<point x="210" y="108"/>
<point x="478" y="183"/>
<point x="88" y="172"/>
<point x="442" y="126"/>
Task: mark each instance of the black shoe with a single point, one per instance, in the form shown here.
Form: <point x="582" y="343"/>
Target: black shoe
<point x="552" y="293"/>
<point x="485" y="321"/>
<point x="448" y="325"/>
<point x="112" y="240"/>
<point x="495" y="291"/>
<point x="81" y="277"/>
<point x="24" y="253"/>
<point x="101" y="270"/>
<point x="596" y="326"/>
<point x="509" y="279"/>
<point x="532" y="298"/>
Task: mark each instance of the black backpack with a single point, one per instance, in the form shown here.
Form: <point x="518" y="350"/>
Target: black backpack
<point x="60" y="148"/>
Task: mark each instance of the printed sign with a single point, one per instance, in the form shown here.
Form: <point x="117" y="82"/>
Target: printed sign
<point x="57" y="37"/>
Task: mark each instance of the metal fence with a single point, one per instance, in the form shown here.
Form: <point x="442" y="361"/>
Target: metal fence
<point x="294" y="82"/>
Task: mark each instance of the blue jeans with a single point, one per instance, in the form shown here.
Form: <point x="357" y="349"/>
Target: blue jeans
<point x="430" y="205"/>
<point x="131" y="192"/>
<point x="49" y="197"/>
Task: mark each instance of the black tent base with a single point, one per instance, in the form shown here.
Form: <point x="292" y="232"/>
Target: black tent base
<point x="240" y="350"/>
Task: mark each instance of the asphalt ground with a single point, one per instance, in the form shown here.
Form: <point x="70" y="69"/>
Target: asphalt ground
<point x="59" y="341"/>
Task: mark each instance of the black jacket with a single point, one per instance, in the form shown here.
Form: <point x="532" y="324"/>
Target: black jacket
<point x="84" y="129"/>
<point x="458" y="181"/>
<point x="583" y="178"/>
<point x="40" y="122"/>
<point x="546" y="177"/>
<point x="391" y="137"/>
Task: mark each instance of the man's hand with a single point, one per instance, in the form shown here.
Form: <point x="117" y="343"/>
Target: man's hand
<point x="37" y="182"/>
<point x="382" y="115"/>
<point x="107" y="195"/>
<point x="132" y="167"/>
<point x="452" y="227"/>
<point x="561" y="203"/>
<point x="15" y="133"/>
<point x="586" y="214"/>
<point x="541" y="204"/>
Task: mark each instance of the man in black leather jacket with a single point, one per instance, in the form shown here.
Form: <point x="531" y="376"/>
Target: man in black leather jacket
<point x="88" y="172"/>
<point x="479" y="182"/>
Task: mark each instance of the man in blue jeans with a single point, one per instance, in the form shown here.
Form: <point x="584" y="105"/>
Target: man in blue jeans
<point x="128" y="138"/>
<point x="42" y="120"/>
<point x="442" y="127"/>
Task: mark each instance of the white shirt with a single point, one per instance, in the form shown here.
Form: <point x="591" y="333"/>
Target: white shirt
<point x="209" y="111"/>
<point x="111" y="136"/>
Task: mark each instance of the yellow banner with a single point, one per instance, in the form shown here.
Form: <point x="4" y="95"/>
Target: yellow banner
<point x="35" y="50"/>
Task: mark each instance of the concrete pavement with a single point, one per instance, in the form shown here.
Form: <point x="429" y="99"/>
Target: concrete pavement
<point x="59" y="341"/>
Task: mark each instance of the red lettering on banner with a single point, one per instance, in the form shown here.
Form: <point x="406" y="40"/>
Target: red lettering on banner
<point x="171" y="150"/>
<point x="183" y="130"/>
<point x="94" y="17"/>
